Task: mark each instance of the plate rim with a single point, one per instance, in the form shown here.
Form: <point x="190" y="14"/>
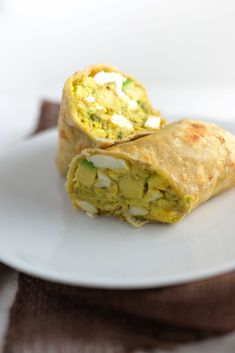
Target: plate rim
<point x="135" y="285"/>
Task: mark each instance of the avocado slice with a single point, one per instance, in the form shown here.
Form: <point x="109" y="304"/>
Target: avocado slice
<point x="157" y="182"/>
<point x="86" y="172"/>
<point x="131" y="188"/>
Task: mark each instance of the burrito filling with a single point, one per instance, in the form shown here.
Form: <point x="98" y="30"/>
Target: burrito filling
<point x="113" y="105"/>
<point x="109" y="185"/>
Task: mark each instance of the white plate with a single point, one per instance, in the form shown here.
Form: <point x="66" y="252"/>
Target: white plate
<point x="43" y="235"/>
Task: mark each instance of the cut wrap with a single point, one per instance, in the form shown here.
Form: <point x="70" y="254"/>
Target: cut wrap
<point x="100" y="107"/>
<point x="160" y="177"/>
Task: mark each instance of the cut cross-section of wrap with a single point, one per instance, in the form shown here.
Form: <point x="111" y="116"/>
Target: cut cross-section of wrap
<point x="157" y="178"/>
<point x="100" y="107"/>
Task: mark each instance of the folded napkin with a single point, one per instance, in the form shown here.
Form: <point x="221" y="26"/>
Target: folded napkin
<point x="48" y="317"/>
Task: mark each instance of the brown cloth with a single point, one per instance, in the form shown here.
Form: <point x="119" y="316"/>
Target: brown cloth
<point x="2" y="268"/>
<point x="48" y="317"/>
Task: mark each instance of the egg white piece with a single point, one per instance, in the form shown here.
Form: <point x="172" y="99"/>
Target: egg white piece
<point x="90" y="99"/>
<point x="137" y="211"/>
<point x="103" y="181"/>
<point x="87" y="206"/>
<point x="121" y="121"/>
<point x="153" y="122"/>
<point x="102" y="161"/>
<point x="108" y="77"/>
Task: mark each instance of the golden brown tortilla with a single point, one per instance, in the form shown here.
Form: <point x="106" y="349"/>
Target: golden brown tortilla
<point x="188" y="162"/>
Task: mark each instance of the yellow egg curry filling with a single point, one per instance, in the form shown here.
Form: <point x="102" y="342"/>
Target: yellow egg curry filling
<point x="129" y="192"/>
<point x="113" y="106"/>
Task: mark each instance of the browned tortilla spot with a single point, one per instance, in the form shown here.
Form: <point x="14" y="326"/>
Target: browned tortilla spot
<point x="221" y="139"/>
<point x="147" y="158"/>
<point x="62" y="134"/>
<point x="194" y="132"/>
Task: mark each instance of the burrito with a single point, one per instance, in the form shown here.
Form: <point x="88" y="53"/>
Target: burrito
<point x="100" y="107"/>
<point x="158" y="178"/>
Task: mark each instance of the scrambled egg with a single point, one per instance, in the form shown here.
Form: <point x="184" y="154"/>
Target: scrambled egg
<point x="107" y="185"/>
<point x="114" y="105"/>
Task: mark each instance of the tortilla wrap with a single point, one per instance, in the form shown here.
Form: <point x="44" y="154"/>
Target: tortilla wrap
<point x="99" y="113"/>
<point x="158" y="178"/>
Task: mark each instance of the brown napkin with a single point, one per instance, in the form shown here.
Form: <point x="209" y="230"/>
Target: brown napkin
<point x="47" y="317"/>
<point x="2" y="268"/>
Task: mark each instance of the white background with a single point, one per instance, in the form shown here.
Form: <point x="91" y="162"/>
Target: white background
<point x="182" y="50"/>
<point x="157" y="40"/>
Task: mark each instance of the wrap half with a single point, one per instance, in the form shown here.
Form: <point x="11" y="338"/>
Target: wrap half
<point x="157" y="178"/>
<point x="100" y="107"/>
